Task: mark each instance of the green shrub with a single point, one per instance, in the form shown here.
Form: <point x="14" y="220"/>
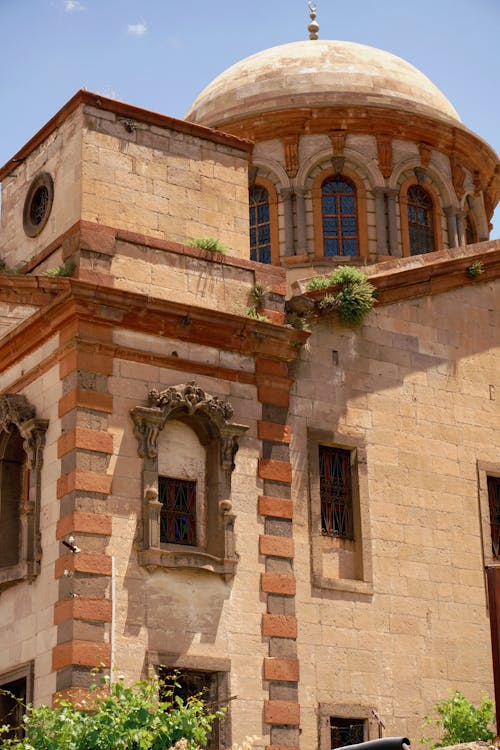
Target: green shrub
<point x="252" y="313"/>
<point x="458" y="720"/>
<point x="352" y="301"/>
<point x="118" y="718"/>
<point x="67" y="269"/>
<point x="475" y="269"/>
<point x="209" y="243"/>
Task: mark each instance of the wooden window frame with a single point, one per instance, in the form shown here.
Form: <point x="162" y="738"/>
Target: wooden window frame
<point x="362" y="219"/>
<point x="324" y="546"/>
<point x="437" y="216"/>
<point x="273" y="217"/>
<point x="486" y="469"/>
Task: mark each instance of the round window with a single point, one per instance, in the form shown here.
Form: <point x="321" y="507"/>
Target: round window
<point x="38" y="204"/>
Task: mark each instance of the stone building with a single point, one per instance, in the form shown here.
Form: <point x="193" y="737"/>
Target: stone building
<point x="297" y="520"/>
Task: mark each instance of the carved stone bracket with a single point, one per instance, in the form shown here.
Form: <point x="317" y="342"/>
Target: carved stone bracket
<point x="425" y="154"/>
<point x="148" y="422"/>
<point x="384" y="153"/>
<point x="291" y="143"/>
<point x="458" y="176"/>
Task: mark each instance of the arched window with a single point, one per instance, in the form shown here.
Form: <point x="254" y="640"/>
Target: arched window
<point x="260" y="224"/>
<point x="420" y="209"/>
<point x="13" y="485"/>
<point x="340" y="217"/>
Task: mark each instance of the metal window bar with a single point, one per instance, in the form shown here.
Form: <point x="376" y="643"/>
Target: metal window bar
<point x="336" y="492"/>
<point x="346" y="731"/>
<point x="420" y="220"/>
<point x="494" y="503"/>
<point x="178" y="512"/>
<point x="339" y="217"/>
<point x="260" y="225"/>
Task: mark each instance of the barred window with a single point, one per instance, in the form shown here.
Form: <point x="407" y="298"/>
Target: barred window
<point x="336" y="492"/>
<point x="420" y="220"/>
<point x="260" y="224"/>
<point x="339" y="216"/>
<point x="178" y="511"/>
<point x="494" y="503"/>
<point x="346" y="731"/>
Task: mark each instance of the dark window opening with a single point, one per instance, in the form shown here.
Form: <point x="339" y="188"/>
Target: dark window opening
<point x="339" y="216"/>
<point x="470" y="231"/>
<point x="178" y="512"/>
<point x="346" y="731"/>
<point x="13" y="699"/>
<point x="336" y="492"/>
<point x="420" y="220"/>
<point x="260" y="225"/>
<point x="12" y="481"/>
<point x="494" y="503"/>
<point x="187" y="684"/>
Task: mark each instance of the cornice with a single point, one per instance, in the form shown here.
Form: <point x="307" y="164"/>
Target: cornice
<point x="128" y="111"/>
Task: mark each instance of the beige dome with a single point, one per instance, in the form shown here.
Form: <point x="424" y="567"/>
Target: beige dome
<point x="318" y="73"/>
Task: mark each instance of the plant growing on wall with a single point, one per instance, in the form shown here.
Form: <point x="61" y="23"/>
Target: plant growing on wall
<point x="475" y="269"/>
<point x="458" y="720"/>
<point x="66" y="269"/>
<point x="118" y="718"/>
<point x="352" y="300"/>
<point x="211" y="244"/>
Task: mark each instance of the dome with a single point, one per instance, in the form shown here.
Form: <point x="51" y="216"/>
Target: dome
<point x="314" y="74"/>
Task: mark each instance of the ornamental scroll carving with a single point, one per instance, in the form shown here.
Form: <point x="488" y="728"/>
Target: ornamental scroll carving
<point x="16" y="411"/>
<point x="210" y="418"/>
<point x="17" y="414"/>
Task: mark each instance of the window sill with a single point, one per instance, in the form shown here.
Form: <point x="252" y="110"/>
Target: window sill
<point x="181" y="557"/>
<point x="351" y="585"/>
<point x="14" y="574"/>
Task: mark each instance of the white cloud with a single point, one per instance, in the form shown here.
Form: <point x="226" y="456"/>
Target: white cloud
<point x="139" y="29"/>
<point x="73" y="6"/>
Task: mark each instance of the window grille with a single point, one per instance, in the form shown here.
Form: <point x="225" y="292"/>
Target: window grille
<point x="260" y="225"/>
<point x="346" y="731"/>
<point x="494" y="503"/>
<point x="336" y="492"/>
<point x="339" y="216"/>
<point x="420" y="220"/>
<point x="178" y="512"/>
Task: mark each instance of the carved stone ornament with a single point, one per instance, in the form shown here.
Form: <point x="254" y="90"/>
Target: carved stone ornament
<point x="291" y="154"/>
<point x="16" y="411"/>
<point x="384" y="153"/>
<point x="458" y="176"/>
<point x="425" y="154"/>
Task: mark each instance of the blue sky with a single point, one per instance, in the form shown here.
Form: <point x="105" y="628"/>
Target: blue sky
<point x="159" y="54"/>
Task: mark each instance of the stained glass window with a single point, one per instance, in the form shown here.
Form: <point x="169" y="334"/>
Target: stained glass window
<point x="260" y="225"/>
<point x="346" y="731"/>
<point x="335" y="492"/>
<point x="178" y="512"/>
<point x="494" y="502"/>
<point x="340" y="220"/>
<point x="420" y="220"/>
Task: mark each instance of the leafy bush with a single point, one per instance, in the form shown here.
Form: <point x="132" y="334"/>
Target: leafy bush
<point x="118" y="718"/>
<point x="211" y="244"/>
<point x="458" y="720"/>
<point x="353" y="301"/>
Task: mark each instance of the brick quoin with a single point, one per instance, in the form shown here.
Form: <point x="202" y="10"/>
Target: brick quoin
<point x="271" y="367"/>
<point x="84" y="562"/>
<point x="279" y="471"/>
<point x="277" y="433"/>
<point x="88" y="523"/>
<point x="88" y="481"/>
<point x="279" y="396"/>
<point x="275" y="507"/>
<point x="276" y="546"/>
<point x="279" y="626"/>
<point x="85" y="360"/>
<point x="80" y="653"/>
<point x="79" y="397"/>
<point x="82" y="608"/>
<point x="282" y="712"/>
<point x="86" y="439"/>
<point x="281" y="670"/>
<point x="275" y="583"/>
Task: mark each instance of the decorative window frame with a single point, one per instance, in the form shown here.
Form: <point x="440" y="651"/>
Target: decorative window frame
<point x="322" y="544"/>
<point x="362" y="218"/>
<point x="16" y="413"/>
<point x="43" y="180"/>
<point x="273" y="216"/>
<point x="437" y="215"/>
<point x="326" y="711"/>
<point x="23" y="671"/>
<point x="484" y="470"/>
<point x="209" y="417"/>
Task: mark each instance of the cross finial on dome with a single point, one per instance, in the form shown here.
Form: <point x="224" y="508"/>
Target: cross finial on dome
<point x="313" y="27"/>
